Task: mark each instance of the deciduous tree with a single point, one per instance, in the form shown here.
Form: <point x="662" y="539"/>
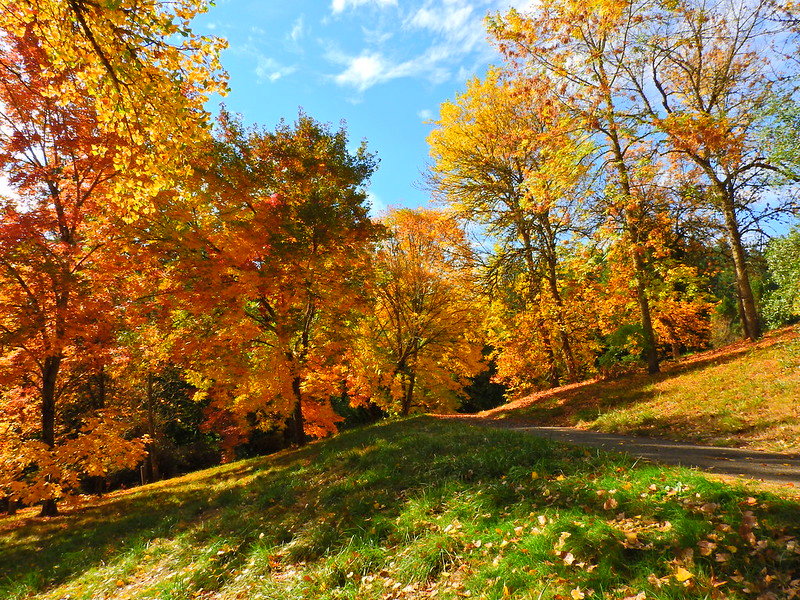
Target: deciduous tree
<point x="276" y="270"/>
<point x="572" y="53"/>
<point x="58" y="265"/>
<point x="149" y="74"/>
<point x="705" y="77"/>
<point x="423" y="337"/>
<point x="512" y="163"/>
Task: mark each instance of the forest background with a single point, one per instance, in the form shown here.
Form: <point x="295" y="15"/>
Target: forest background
<point x="178" y="289"/>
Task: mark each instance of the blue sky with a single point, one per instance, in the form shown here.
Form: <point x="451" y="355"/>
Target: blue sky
<point x="383" y="66"/>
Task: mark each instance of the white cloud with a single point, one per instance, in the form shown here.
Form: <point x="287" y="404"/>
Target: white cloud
<point x="298" y="29"/>
<point x="436" y="40"/>
<point x="338" y="6"/>
<point x="377" y="206"/>
<point x="270" y="70"/>
<point x="364" y="71"/>
<point x="425" y="114"/>
<point x="368" y="69"/>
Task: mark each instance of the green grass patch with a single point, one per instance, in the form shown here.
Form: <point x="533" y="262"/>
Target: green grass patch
<point x="743" y="396"/>
<point x="415" y="509"/>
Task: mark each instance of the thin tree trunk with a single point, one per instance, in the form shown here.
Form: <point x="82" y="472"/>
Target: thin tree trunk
<point x="563" y="338"/>
<point x="632" y="223"/>
<point x="298" y="424"/>
<point x="552" y="367"/>
<point x="751" y="328"/>
<point x="648" y="335"/>
<point x="152" y="460"/>
<point x="408" y="395"/>
<point x="49" y="378"/>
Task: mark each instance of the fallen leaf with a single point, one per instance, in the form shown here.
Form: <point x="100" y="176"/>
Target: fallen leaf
<point x="706" y="547"/>
<point x="683" y="575"/>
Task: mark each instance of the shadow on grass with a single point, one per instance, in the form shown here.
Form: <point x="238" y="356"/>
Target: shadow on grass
<point x="586" y="401"/>
<point x="381" y="489"/>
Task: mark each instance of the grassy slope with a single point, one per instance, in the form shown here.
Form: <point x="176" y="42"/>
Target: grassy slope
<point x="742" y="395"/>
<point x="420" y="508"/>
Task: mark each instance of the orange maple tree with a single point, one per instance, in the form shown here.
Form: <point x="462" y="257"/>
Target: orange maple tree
<point x="273" y="272"/>
<point x="58" y="265"/>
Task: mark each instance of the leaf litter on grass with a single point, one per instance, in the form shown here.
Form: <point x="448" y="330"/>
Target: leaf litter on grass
<point x="430" y="509"/>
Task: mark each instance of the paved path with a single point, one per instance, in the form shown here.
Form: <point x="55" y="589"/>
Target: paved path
<point x="768" y="466"/>
<point x="772" y="467"/>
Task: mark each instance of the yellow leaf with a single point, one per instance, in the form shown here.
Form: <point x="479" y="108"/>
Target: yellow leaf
<point x="683" y="575"/>
<point x="577" y="594"/>
<point x="534" y="475"/>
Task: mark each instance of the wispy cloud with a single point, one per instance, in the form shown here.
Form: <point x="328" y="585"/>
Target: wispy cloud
<point x="268" y="69"/>
<point x="371" y="68"/>
<point x="425" y="114"/>
<point x="437" y="40"/>
<point x="298" y="30"/>
<point x="338" y="6"/>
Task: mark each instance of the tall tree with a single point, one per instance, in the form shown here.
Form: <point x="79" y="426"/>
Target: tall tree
<point x="424" y="332"/>
<point x="149" y="73"/>
<point x="281" y="253"/>
<point x="543" y="46"/>
<point x="58" y="257"/>
<point x="706" y="76"/>
<point x="510" y="163"/>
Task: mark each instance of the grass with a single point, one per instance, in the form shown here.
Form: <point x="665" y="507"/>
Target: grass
<point x="421" y="508"/>
<point x="742" y="395"/>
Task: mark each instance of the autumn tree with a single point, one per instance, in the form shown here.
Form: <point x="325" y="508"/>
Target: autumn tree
<point x="511" y="163"/>
<point x="572" y="53"/>
<point x="706" y="77"/>
<point x="273" y="269"/>
<point x="149" y="73"/>
<point x="57" y="271"/>
<point x="423" y="336"/>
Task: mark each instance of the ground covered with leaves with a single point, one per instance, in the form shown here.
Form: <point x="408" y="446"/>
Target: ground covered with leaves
<point x="420" y="508"/>
<point x="741" y="395"/>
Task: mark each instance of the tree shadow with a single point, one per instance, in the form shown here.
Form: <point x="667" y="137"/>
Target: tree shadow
<point x="585" y="401"/>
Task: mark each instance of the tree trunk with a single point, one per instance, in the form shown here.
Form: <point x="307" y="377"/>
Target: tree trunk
<point x="153" y="473"/>
<point x="298" y="425"/>
<point x="632" y="224"/>
<point x="563" y="338"/>
<point x="751" y="328"/>
<point x="408" y="395"/>
<point x="649" y="338"/>
<point x="49" y="378"/>
<point x="552" y="367"/>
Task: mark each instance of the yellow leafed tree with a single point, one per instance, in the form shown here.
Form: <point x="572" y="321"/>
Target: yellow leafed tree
<point x="423" y="340"/>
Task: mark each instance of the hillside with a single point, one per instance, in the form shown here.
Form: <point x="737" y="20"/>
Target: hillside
<point x="420" y="508"/>
<point x="741" y="395"/>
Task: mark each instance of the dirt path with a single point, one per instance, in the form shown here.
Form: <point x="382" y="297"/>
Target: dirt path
<point x="769" y="467"/>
